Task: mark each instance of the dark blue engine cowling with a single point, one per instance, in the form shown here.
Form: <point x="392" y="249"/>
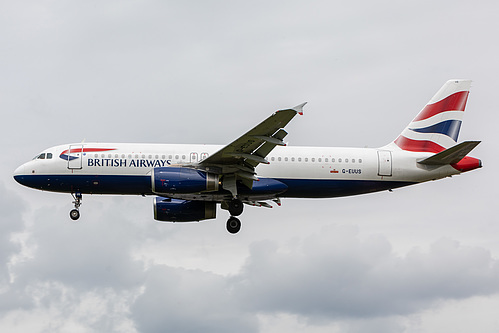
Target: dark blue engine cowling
<point x="170" y="180"/>
<point x="175" y="210"/>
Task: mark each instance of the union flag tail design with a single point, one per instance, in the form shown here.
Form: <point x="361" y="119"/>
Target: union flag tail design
<point x="437" y="126"/>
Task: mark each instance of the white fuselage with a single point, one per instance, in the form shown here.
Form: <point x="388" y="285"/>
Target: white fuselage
<point x="107" y="167"/>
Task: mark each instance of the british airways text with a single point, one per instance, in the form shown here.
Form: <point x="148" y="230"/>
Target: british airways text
<point x="123" y="163"/>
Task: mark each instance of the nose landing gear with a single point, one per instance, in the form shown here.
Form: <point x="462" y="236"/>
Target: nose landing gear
<point x="75" y="213"/>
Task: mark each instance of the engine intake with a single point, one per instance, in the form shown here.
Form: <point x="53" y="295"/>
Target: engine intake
<point x="171" y="180"/>
<point x="175" y="210"/>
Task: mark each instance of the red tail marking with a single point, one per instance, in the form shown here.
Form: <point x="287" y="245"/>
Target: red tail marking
<point x="418" y="145"/>
<point x="467" y="164"/>
<point x="454" y="102"/>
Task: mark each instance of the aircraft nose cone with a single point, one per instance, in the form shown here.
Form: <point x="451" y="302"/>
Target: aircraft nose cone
<point x="19" y="173"/>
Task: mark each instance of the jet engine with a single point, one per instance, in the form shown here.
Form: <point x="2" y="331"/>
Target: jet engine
<point x="170" y="180"/>
<point x="175" y="210"/>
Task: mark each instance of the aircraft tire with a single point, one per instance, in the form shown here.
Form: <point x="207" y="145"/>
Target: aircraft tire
<point x="233" y="225"/>
<point x="236" y="207"/>
<point x="74" y="214"/>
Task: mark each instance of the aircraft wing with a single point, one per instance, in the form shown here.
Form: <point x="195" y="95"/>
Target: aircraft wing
<point x="238" y="160"/>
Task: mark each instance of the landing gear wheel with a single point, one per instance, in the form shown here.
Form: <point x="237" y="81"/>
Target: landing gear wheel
<point x="74" y="214"/>
<point x="233" y="225"/>
<point x="236" y="207"/>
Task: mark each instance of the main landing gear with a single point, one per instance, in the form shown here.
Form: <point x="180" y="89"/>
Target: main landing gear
<point x="233" y="225"/>
<point x="75" y="213"/>
<point x="236" y="207"/>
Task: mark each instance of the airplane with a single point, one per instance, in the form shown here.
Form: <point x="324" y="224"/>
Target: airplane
<point x="258" y="168"/>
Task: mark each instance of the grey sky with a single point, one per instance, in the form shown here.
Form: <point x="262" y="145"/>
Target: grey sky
<point x="420" y="259"/>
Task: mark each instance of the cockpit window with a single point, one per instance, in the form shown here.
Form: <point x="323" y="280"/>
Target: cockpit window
<point x="43" y="156"/>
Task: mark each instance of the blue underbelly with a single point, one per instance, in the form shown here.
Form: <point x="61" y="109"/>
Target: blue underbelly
<point x="138" y="185"/>
<point x="327" y="188"/>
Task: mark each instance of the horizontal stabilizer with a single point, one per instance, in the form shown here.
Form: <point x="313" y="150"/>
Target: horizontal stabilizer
<point x="452" y="155"/>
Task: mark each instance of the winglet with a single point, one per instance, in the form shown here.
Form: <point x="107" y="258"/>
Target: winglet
<point x="299" y="108"/>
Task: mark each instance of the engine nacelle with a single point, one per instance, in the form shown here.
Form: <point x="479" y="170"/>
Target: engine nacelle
<point x="170" y="180"/>
<point x="175" y="210"/>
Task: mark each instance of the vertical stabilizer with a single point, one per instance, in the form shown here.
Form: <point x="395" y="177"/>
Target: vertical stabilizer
<point x="437" y="126"/>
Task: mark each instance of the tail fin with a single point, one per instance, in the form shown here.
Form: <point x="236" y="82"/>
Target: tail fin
<point x="437" y="126"/>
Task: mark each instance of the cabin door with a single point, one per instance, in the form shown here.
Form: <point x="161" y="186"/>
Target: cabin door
<point x="384" y="163"/>
<point x="75" y="156"/>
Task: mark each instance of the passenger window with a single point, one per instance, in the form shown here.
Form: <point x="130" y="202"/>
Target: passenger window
<point x="339" y="160"/>
<point x="320" y="159"/>
<point x="333" y="160"/>
<point x="299" y="159"/>
<point x="360" y="160"/>
<point x="285" y="159"/>
<point x="306" y="159"/>
<point x="353" y="160"/>
<point x="49" y="156"/>
<point x="326" y="160"/>
<point x="272" y="159"/>
<point x="313" y="159"/>
<point x="279" y="159"/>
<point x="346" y="160"/>
<point x="292" y="159"/>
<point x="176" y="157"/>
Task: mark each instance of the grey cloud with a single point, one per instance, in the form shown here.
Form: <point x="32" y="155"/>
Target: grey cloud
<point x="179" y="300"/>
<point x="11" y="222"/>
<point x="330" y="276"/>
<point x="336" y="274"/>
<point x="90" y="254"/>
<point x="11" y="207"/>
